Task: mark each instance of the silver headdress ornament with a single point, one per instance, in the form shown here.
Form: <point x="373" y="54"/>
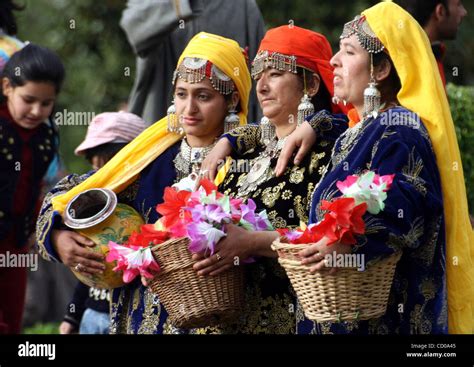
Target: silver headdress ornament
<point x="365" y="35"/>
<point x="194" y="70"/>
<point x="369" y="42"/>
<point x="272" y="60"/>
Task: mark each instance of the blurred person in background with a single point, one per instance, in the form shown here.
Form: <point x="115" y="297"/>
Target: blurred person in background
<point x="158" y="32"/>
<point x="440" y="19"/>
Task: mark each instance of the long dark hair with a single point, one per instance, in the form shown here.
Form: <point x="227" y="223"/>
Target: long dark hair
<point x="34" y="63"/>
<point x="105" y="151"/>
<point x="7" y="19"/>
<point x="390" y="86"/>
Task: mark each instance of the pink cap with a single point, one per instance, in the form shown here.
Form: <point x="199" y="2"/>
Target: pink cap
<point x="111" y="127"/>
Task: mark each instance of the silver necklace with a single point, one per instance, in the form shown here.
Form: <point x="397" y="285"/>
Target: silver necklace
<point x="347" y="140"/>
<point x="261" y="170"/>
<point x="189" y="159"/>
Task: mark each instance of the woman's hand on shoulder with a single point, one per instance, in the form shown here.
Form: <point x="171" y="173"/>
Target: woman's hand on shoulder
<point x="215" y="159"/>
<point x="300" y="140"/>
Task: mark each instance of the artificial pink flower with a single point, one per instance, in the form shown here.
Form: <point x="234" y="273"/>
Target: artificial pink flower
<point x="142" y="261"/>
<point x="204" y="236"/>
<point x="387" y="180"/>
<point x="343" y="186"/>
<point x="132" y="261"/>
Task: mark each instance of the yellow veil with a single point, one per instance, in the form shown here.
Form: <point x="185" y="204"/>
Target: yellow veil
<point x="124" y="167"/>
<point x="423" y="92"/>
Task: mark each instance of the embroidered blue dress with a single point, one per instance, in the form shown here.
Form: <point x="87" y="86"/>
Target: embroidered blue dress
<point x="134" y="308"/>
<point x="413" y="221"/>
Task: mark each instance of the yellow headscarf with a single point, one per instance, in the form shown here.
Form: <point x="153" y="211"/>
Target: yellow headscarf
<point x="124" y="167"/>
<point x="423" y="92"/>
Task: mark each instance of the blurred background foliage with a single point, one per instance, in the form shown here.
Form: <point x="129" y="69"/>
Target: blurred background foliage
<point x="100" y="63"/>
<point x="98" y="59"/>
<point x="461" y="99"/>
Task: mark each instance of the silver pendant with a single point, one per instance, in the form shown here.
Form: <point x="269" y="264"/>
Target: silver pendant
<point x="258" y="169"/>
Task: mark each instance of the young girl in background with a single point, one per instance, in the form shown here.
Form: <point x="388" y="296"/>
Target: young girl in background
<point x="31" y="81"/>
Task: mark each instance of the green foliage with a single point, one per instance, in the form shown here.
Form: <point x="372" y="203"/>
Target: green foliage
<point x="461" y="100"/>
<point x="326" y="17"/>
<point x="50" y="328"/>
<point x="93" y="47"/>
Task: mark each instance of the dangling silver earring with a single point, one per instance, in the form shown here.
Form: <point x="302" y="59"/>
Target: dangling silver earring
<point x="337" y="100"/>
<point x="372" y="96"/>
<point x="268" y="130"/>
<point x="305" y="108"/>
<point x="232" y="120"/>
<point x="172" y="119"/>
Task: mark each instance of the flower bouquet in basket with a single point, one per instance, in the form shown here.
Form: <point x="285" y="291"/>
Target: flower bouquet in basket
<point x="349" y="294"/>
<point x="193" y="222"/>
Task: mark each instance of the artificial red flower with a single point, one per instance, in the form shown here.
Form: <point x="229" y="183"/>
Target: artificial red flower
<point x="342" y="221"/>
<point x="282" y="231"/>
<point x="343" y="218"/>
<point x="305" y="237"/>
<point x="208" y="186"/>
<point x="340" y="209"/>
<point x="147" y="236"/>
<point x="358" y="224"/>
<point x="326" y="228"/>
<point x="171" y="208"/>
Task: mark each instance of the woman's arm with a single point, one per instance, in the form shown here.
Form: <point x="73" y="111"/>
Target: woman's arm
<point x="56" y="243"/>
<point x="322" y="125"/>
<point x="238" y="141"/>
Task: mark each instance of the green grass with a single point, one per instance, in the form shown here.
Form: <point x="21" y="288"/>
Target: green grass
<point x="50" y="328"/>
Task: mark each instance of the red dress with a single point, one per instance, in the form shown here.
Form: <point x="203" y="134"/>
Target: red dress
<point x="13" y="279"/>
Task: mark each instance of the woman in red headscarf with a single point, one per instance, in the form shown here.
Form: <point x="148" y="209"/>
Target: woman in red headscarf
<point x="294" y="83"/>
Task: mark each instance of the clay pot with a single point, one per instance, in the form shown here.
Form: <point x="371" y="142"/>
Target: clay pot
<point x="97" y="215"/>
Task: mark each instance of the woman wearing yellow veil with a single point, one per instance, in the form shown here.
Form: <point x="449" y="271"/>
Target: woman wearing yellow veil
<point x="212" y="85"/>
<point x="401" y="125"/>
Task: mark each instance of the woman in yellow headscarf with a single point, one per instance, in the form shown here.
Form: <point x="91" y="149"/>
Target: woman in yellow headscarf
<point x="402" y="126"/>
<point x="212" y="85"/>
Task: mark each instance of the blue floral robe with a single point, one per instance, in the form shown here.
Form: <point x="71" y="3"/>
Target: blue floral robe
<point x="395" y="143"/>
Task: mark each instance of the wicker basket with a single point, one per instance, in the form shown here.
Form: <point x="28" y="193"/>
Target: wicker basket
<point x="191" y="300"/>
<point x="347" y="295"/>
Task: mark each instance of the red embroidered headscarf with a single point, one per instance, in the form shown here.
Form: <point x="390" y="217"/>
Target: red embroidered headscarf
<point x="295" y="46"/>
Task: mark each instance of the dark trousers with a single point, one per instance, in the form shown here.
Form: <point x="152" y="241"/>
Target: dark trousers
<point x="12" y="290"/>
